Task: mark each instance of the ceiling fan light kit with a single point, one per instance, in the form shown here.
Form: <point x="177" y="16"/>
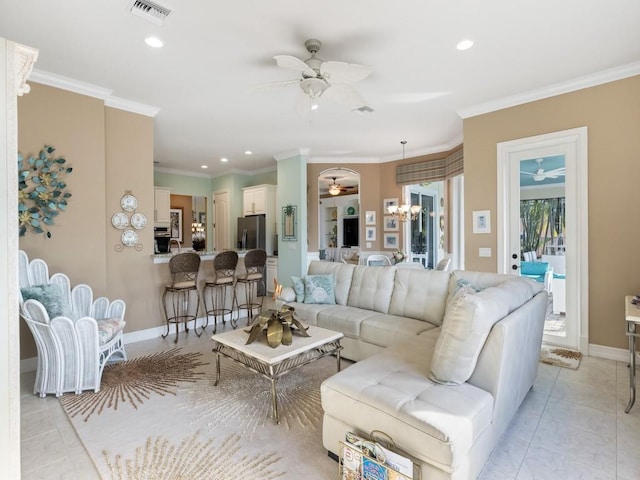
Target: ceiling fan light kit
<point x="539" y="175"/>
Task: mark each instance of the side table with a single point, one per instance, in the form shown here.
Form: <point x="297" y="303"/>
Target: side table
<point x="632" y="318"/>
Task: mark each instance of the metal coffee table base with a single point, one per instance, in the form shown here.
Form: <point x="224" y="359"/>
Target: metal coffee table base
<point x="274" y="371"/>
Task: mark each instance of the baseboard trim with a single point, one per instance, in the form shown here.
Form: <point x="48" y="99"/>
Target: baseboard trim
<point x="610" y="353"/>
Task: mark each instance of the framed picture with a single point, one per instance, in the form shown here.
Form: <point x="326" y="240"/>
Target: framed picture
<point x="289" y="223"/>
<point x="390" y="223"/>
<point x="388" y="202"/>
<point x="391" y="240"/>
<point x="370" y="234"/>
<point x="175" y="215"/>
<point x="370" y="217"/>
<point x="482" y="221"/>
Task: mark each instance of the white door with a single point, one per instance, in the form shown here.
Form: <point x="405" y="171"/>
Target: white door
<point x="221" y="214"/>
<point x="572" y="146"/>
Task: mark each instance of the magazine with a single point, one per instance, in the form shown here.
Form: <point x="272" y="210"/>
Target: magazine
<point x="365" y="459"/>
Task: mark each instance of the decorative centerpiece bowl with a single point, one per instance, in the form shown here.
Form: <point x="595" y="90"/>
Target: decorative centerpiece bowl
<point x="280" y="325"/>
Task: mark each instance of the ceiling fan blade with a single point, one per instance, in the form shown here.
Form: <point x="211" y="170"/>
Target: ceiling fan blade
<point x="555" y="171"/>
<point x="341" y="72"/>
<point x="293" y="63"/>
<point x="345" y="95"/>
<point x="267" y="87"/>
<point x="527" y="173"/>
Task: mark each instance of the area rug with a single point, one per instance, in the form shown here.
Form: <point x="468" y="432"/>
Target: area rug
<point x="161" y="417"/>
<point x="560" y="357"/>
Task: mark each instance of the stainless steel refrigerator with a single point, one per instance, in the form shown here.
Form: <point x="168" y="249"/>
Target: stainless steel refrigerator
<point x="251" y="232"/>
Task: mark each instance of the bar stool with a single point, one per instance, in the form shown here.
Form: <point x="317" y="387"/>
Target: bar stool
<point x="254" y="262"/>
<point x="215" y="290"/>
<point x="184" y="269"/>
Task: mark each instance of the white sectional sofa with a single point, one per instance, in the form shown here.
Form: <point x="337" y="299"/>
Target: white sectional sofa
<point x="444" y="393"/>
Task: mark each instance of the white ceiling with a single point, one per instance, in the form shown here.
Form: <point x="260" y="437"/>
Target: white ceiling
<point x="215" y="52"/>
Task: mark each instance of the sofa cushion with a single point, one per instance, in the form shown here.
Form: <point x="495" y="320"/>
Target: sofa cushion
<point x="420" y="294"/>
<point x="298" y="288"/>
<point x="319" y="289"/>
<point x="307" y="313"/>
<point x="391" y="392"/>
<point x="481" y="280"/>
<point x="344" y="319"/>
<point x="467" y="322"/>
<point x="384" y="330"/>
<point x="371" y="288"/>
<point x="342" y="274"/>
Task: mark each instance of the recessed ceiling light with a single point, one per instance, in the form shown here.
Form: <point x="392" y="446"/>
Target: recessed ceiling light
<point x="204" y="166"/>
<point x="224" y="160"/>
<point x="248" y="152"/>
<point x="464" y="45"/>
<point x="154" y="42"/>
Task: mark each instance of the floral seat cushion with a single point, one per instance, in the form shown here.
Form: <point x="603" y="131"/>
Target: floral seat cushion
<point x="108" y="328"/>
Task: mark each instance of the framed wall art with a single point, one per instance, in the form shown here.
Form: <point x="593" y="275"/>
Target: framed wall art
<point x="391" y="240"/>
<point x="482" y="221"/>
<point x="175" y="215"/>
<point x="390" y="223"/>
<point x="370" y="234"/>
<point x="370" y="217"/>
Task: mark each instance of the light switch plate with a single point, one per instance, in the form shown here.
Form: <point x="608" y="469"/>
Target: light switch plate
<point x="484" y="252"/>
<point x="368" y="244"/>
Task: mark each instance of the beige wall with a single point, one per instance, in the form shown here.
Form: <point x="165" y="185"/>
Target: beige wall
<point x="612" y="114"/>
<point x="110" y="151"/>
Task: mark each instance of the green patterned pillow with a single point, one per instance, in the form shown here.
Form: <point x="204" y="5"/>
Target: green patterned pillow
<point x="319" y="289"/>
<point x="298" y="287"/>
<point x="51" y="297"/>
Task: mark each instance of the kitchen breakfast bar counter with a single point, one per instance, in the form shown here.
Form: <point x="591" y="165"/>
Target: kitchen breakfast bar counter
<point x="204" y="256"/>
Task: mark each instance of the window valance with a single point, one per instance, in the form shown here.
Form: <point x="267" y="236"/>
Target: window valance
<point x="432" y="170"/>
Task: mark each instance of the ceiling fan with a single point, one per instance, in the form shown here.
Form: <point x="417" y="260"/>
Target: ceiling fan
<point x="329" y="79"/>
<point x="539" y="175"/>
<point x="337" y="189"/>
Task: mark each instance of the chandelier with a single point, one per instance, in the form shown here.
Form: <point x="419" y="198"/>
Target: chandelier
<point x="405" y="211"/>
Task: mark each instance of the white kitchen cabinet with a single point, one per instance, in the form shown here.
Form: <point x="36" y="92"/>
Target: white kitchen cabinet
<point x="257" y="200"/>
<point x="272" y="273"/>
<point x="162" y="205"/>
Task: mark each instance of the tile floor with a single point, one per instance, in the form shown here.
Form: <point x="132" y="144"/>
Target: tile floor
<point x="572" y="425"/>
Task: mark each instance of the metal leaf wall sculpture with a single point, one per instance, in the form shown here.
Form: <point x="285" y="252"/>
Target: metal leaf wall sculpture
<point x="42" y="191"/>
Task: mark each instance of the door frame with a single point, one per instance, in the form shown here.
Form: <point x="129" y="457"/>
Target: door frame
<point x="573" y="144"/>
<point x="217" y="230"/>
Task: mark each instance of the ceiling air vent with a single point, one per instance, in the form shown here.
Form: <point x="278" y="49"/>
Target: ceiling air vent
<point x="363" y="110"/>
<point x="149" y="11"/>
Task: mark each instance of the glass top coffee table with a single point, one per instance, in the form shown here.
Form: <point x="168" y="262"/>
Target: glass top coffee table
<point x="275" y="362"/>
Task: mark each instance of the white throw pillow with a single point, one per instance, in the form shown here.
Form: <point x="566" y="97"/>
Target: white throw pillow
<point x="467" y="321"/>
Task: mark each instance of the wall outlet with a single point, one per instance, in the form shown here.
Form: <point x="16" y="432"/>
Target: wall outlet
<point x="484" y="252"/>
<point x="368" y="244"/>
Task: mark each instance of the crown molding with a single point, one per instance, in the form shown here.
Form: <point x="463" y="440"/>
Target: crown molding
<point x="184" y="173"/>
<point x="299" y="152"/>
<point x="343" y="159"/>
<point x="130" y="106"/>
<point x="69" y="84"/>
<point x="90" y="90"/>
<point x="605" y="76"/>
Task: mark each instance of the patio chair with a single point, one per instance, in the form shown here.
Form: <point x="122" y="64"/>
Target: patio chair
<point x="75" y="335"/>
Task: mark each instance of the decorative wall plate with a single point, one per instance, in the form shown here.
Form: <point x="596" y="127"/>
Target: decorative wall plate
<point x="129" y="203"/>
<point x="351" y="211"/>
<point x="138" y="221"/>
<point x="129" y="238"/>
<point x="120" y="220"/>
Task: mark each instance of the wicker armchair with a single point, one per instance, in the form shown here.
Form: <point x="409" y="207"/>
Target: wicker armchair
<point x="75" y="335"/>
